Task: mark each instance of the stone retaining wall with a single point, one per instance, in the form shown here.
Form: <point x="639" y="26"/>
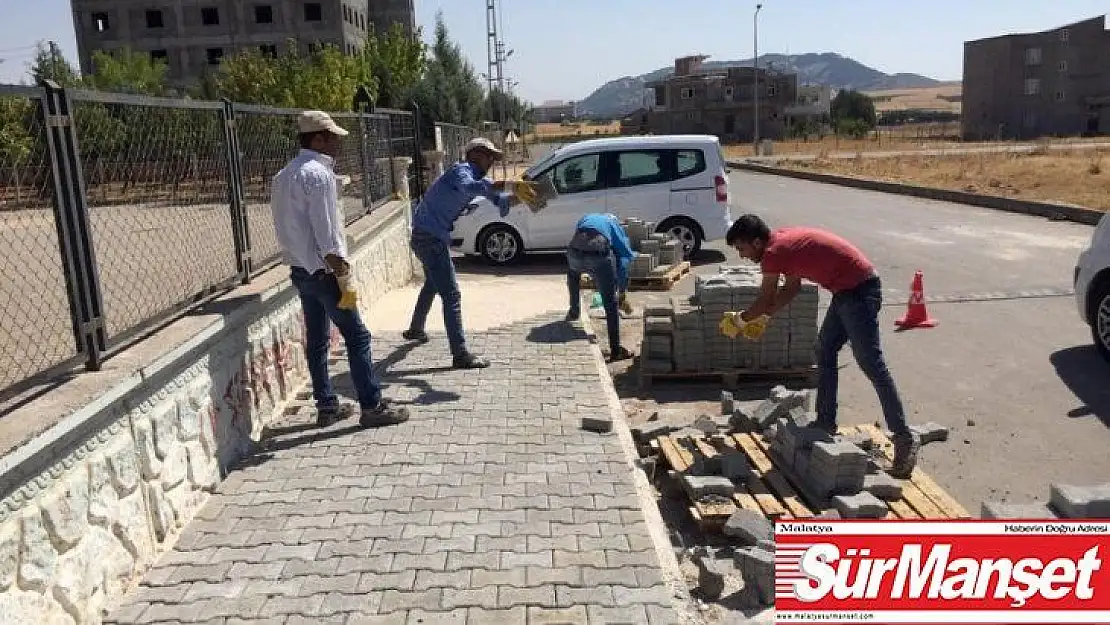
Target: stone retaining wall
<point x="106" y="497"/>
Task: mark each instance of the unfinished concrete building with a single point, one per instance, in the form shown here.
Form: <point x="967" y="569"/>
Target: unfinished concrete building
<point x="193" y="36"/>
<point x="720" y="102"/>
<point x="1053" y="82"/>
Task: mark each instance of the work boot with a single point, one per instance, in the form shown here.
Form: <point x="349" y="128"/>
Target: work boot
<point x="469" y="361"/>
<point x="622" y="353"/>
<point x="383" y="414"/>
<point x="329" y="415"/>
<point x="572" y="316"/>
<point x="419" y="336"/>
<point x="906" y="447"/>
<point x="827" y="428"/>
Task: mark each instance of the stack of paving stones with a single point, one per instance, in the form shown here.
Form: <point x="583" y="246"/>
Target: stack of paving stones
<point x="490" y="505"/>
<point x="697" y="345"/>
<point x="655" y="251"/>
<point x="1065" y="501"/>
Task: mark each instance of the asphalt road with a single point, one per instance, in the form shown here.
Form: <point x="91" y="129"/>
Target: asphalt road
<point x="1010" y="368"/>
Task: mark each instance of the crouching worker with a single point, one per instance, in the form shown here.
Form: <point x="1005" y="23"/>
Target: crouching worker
<point x="601" y="248"/>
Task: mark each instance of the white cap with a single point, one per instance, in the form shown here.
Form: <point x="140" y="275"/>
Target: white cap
<point x="318" y="121"/>
<point x="482" y="143"/>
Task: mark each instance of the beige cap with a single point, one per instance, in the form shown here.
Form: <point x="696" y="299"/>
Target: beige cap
<point x="482" y="143"/>
<point x="318" y="121"/>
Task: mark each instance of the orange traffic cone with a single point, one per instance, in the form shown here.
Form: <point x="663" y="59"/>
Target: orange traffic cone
<point x="916" y="315"/>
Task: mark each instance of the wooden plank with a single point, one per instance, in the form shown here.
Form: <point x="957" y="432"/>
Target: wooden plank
<point x="747" y="501"/>
<point x="678" y="458"/>
<point x="662" y="281"/>
<point x="766" y="500"/>
<point x="772" y="476"/>
<point x="939" y="496"/>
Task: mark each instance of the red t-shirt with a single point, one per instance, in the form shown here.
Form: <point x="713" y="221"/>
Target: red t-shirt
<point x="818" y="256"/>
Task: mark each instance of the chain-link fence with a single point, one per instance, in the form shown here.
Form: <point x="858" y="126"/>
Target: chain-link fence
<point x="124" y="211"/>
<point x="454" y="138"/>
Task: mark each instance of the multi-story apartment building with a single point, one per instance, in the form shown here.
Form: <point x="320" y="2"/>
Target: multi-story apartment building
<point x="720" y="102"/>
<point x="555" y="111"/>
<point x="192" y="36"/>
<point x="1054" y="82"/>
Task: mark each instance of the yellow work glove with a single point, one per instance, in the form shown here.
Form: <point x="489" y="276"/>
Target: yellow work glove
<point x="348" y="297"/>
<point x="625" y="305"/>
<point x="730" y="324"/>
<point x="754" y="329"/>
<point x="525" y="191"/>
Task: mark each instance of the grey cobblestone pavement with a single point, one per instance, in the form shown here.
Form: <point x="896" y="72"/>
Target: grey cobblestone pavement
<point x="490" y="505"/>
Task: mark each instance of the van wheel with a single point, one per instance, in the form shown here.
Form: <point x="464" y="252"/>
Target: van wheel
<point x="1099" y="317"/>
<point x="500" y="244"/>
<point x="688" y="233"/>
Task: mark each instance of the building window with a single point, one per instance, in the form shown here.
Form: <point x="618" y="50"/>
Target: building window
<point x="215" y="55"/>
<point x="210" y="16"/>
<point x="1060" y="96"/>
<point x="771" y="91"/>
<point x="1032" y="86"/>
<point x="1063" y="67"/>
<point x="362" y="21"/>
<point x="159" y="56"/>
<point x="263" y="14"/>
<point x="1033" y="56"/>
<point x="1065" y="35"/>
<point x="687" y="93"/>
<point x="660" y="96"/>
<point x="268" y="50"/>
<point x="313" y="12"/>
<point x="728" y="92"/>
<point x="347" y="14"/>
<point x="100" y="22"/>
<point x="1029" y="119"/>
<point x="154" y="19"/>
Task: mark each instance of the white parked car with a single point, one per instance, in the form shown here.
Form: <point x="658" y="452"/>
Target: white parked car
<point x="680" y="182"/>
<point x="1092" y="286"/>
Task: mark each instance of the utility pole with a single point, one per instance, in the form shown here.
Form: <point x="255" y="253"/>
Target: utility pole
<point x="755" y="78"/>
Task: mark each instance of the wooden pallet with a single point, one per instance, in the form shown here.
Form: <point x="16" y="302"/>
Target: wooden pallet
<point x="774" y="492"/>
<point x="731" y="378"/>
<point x="656" y="281"/>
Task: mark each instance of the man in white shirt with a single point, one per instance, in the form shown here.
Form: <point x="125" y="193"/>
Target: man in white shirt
<point x="305" y="205"/>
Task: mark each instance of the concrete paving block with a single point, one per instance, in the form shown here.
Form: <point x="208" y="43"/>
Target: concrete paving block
<point x="658" y="325"/>
<point x="838" y="454"/>
<point x="758" y="569"/>
<point x="749" y="527"/>
<point x="1081" y="502"/>
<point x="700" y="485"/>
<point x="655" y="365"/>
<point x="930" y="432"/>
<point x="860" y="506"/>
<point x="735" y="466"/>
<point x="741" y="421"/>
<point x="711" y="579"/>
<point x="863" y="441"/>
<point x="659" y="311"/>
<point x="1028" y="511"/>
<point x="767" y="545"/>
<point x="883" y="486"/>
<point x="600" y="425"/>
<point x="829" y="515"/>
<point x="650" y="430"/>
<point x="728" y="404"/>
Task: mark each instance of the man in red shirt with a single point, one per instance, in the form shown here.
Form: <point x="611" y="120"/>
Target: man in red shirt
<point x="853" y="315"/>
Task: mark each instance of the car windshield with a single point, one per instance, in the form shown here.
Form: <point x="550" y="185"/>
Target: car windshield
<point x="540" y="164"/>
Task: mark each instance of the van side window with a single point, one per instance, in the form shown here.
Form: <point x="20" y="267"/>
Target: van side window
<point x="642" y="167"/>
<point x="689" y="163"/>
<point x="577" y="174"/>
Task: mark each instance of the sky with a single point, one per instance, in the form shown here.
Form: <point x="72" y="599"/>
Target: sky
<point x="564" y="49"/>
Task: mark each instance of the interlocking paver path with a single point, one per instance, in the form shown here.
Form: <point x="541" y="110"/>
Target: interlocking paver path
<point x="490" y="505"/>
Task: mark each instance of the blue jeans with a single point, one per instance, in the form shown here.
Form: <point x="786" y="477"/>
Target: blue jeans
<point x="853" y="316"/>
<point x="602" y="268"/>
<point x="439" y="279"/>
<point x="319" y="299"/>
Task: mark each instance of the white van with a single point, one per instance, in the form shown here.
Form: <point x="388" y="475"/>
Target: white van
<point x="1092" y="286"/>
<point x="680" y="182"/>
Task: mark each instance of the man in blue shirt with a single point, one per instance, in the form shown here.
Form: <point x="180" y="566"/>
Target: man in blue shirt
<point x="432" y="223"/>
<point x="600" y="248"/>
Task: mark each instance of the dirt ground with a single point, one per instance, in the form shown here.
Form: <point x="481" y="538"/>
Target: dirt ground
<point x="1078" y="177"/>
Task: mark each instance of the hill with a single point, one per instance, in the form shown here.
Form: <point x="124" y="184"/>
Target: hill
<point x="624" y="95"/>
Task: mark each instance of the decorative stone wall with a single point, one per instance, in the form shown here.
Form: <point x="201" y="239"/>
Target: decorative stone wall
<point x="75" y="536"/>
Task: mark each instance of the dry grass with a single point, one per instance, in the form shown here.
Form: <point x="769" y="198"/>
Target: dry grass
<point x="931" y="136"/>
<point x="1078" y="177"/>
<point x="942" y="98"/>
<point x="544" y="131"/>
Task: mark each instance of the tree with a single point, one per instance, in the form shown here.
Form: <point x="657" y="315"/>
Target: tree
<point x="450" y="90"/>
<point x="325" y="79"/>
<point x="853" y="112"/>
<point x="127" y="72"/>
<point x="396" y="62"/>
<point x="49" y="64"/>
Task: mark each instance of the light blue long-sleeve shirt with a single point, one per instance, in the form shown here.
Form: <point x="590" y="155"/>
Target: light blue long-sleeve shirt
<point x="607" y="226"/>
<point x="449" y="195"/>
